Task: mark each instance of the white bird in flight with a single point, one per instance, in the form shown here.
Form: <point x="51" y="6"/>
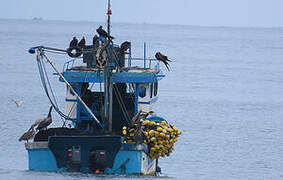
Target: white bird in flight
<point x="18" y="103"/>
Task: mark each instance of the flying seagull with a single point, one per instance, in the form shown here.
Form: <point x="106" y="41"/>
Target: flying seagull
<point x="74" y="42"/>
<point x="81" y="44"/>
<point x="18" y="103"/>
<point x="163" y="58"/>
<point x="28" y="135"/>
<point x="46" y="121"/>
<point x="103" y="33"/>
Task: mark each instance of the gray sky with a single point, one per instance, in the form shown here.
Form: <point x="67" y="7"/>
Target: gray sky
<point x="263" y="13"/>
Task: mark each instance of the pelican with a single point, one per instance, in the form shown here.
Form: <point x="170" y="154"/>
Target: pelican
<point x="144" y="115"/>
<point x="103" y="33"/>
<point x="45" y="122"/>
<point x="136" y="117"/>
<point x="163" y="58"/>
<point x="28" y="135"/>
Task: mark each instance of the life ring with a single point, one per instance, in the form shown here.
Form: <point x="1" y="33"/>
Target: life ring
<point x="101" y="57"/>
<point x="78" y="51"/>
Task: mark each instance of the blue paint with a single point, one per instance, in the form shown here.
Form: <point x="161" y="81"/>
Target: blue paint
<point x="127" y="162"/>
<point x="156" y="119"/>
<point x="42" y="160"/>
<point x="71" y="100"/>
<point x="120" y="77"/>
<point x="153" y="100"/>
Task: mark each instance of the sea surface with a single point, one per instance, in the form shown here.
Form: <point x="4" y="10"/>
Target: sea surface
<point x="224" y="91"/>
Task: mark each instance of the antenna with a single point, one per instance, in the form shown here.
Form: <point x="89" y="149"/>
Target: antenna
<point x="109" y="12"/>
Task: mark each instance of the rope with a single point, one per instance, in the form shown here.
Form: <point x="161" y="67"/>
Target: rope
<point x="64" y="122"/>
<point x="42" y="77"/>
<point x="121" y="103"/>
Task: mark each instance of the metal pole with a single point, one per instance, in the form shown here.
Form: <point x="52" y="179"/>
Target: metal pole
<point x="130" y="57"/>
<point x="108" y="20"/>
<point x="60" y="74"/>
<point x="110" y="105"/>
<point x="106" y="95"/>
<point x="144" y="54"/>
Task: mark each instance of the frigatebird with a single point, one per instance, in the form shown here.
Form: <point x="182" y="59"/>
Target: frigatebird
<point x="163" y="58"/>
<point x="103" y="33"/>
<point x="74" y="42"/>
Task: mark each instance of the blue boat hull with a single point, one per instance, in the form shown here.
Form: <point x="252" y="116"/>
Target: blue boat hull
<point x="129" y="159"/>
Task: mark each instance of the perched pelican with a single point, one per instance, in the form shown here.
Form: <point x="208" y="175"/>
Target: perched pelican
<point x="163" y="58"/>
<point x="28" y="135"/>
<point x="81" y="44"/>
<point x="46" y="121"/>
<point x="136" y="117"/>
<point x="125" y="46"/>
<point x="144" y="115"/>
<point x="74" y="42"/>
<point x="36" y="122"/>
<point x="103" y="33"/>
<point x="18" y="103"/>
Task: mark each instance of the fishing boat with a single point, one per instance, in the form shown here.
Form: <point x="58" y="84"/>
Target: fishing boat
<point x="110" y="99"/>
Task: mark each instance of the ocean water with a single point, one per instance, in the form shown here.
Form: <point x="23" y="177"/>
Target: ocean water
<point x="224" y="91"/>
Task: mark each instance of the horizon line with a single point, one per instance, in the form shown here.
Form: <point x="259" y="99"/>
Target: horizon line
<point x="141" y="23"/>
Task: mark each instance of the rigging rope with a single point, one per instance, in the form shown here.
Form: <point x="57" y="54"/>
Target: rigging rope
<point x="122" y="105"/>
<point x="42" y="77"/>
<point x="52" y="92"/>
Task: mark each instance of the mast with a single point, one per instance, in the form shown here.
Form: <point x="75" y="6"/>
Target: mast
<point x="109" y="12"/>
<point x="108" y="101"/>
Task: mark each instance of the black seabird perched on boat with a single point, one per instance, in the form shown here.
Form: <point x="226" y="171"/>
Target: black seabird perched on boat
<point x="81" y="44"/>
<point x="103" y="33"/>
<point x="163" y="58"/>
<point x="125" y="46"/>
<point x="74" y="42"/>
<point x="46" y="122"/>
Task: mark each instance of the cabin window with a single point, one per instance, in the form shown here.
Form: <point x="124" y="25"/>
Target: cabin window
<point x="151" y="89"/>
<point x="142" y="91"/>
<point x="155" y="88"/>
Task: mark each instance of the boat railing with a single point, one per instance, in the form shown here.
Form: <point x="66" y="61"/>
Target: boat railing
<point x="129" y="62"/>
<point x="68" y="64"/>
<point x="143" y="63"/>
<point x="72" y="63"/>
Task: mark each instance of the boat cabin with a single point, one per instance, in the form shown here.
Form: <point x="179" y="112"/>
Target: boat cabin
<point x="132" y="88"/>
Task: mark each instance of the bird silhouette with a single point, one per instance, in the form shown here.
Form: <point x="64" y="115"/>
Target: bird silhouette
<point x="81" y="44"/>
<point x="103" y="33"/>
<point x="44" y="122"/>
<point x="163" y="59"/>
<point x="28" y="135"/>
<point x="125" y="46"/>
<point x="74" y="42"/>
